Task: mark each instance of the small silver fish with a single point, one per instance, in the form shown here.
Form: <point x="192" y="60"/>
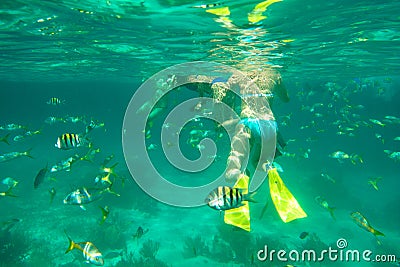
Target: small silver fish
<point x="10" y="182"/>
<point x="208" y="5"/>
<point x="94" y="125"/>
<point x="52" y="120"/>
<point x="18" y="138"/>
<point x="84" y="195"/>
<point x="103" y="179"/>
<point x="54" y="101"/>
<point x="339" y="155"/>
<point x="277" y="166"/>
<point x="12" y="127"/>
<point x="377" y="122"/>
<point x="393" y="155"/>
<point x="14" y="155"/>
<point x="64" y="165"/>
<point x="327" y="177"/>
<point x="379" y="137"/>
<point x="75" y="119"/>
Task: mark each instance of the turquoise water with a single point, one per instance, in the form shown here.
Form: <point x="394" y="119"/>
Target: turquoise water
<point x="339" y="62"/>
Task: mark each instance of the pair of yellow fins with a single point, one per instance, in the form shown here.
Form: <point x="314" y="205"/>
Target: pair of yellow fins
<point x="285" y="203"/>
<point x="256" y="15"/>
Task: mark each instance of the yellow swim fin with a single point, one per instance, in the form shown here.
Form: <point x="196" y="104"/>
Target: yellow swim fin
<point x="222" y="11"/>
<point x="240" y="217"/>
<point x="256" y="14"/>
<point x="261" y="7"/>
<point x="285" y="203"/>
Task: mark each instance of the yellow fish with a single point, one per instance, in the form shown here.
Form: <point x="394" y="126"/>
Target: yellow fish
<point x="89" y="251"/>
<point x="362" y="222"/>
<point x="374" y="182"/>
<point x="324" y="204"/>
<point x="8" y="193"/>
<point x="104" y="211"/>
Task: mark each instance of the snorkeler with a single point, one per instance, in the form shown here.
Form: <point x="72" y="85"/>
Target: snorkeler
<point x="255" y="138"/>
<point x="257" y="120"/>
<point x="256" y="125"/>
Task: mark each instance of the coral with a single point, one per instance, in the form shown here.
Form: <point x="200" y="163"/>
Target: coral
<point x="140" y="201"/>
<point x="195" y="246"/>
<point x="130" y="261"/>
<point x="149" y="263"/>
<point x="149" y="249"/>
<point x="239" y="241"/>
<point x="40" y="256"/>
<point x="111" y="233"/>
<point x="315" y="243"/>
<point x="221" y="250"/>
<point x="126" y="261"/>
<point x="14" y="248"/>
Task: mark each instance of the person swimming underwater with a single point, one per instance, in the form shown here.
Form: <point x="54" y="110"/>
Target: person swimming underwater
<point x="257" y="124"/>
<point x="257" y="88"/>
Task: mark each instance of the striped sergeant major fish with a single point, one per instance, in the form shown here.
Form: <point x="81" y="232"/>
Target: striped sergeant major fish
<point x="89" y="251"/>
<point x="94" y="125"/>
<point x="55" y="101"/>
<point x="362" y="222"/>
<point x="68" y="141"/>
<point x="226" y="198"/>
